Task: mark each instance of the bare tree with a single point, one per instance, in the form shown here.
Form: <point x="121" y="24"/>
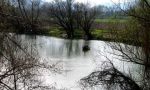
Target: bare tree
<point x="28" y="13"/>
<point x="62" y="12"/>
<point x="85" y="16"/>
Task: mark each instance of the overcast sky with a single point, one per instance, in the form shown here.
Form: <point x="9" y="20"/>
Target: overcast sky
<point x="97" y="2"/>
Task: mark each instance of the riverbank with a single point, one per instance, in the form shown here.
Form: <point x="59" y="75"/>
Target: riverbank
<point x="103" y="29"/>
<point x="104" y="35"/>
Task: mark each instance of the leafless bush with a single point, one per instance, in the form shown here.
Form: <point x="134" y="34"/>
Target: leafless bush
<point x="111" y="78"/>
<point x="21" y="70"/>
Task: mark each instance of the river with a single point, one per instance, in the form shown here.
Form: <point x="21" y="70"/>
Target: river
<point x="75" y="62"/>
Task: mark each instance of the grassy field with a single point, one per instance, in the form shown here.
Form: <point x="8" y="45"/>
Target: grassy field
<point x="97" y="34"/>
<point x="110" y="20"/>
<point x="101" y="29"/>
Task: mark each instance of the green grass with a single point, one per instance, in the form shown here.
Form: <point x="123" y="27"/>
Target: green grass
<point x="58" y="32"/>
<point x="55" y="32"/>
<point x="78" y="33"/>
<point x="99" y="34"/>
<point x="110" y="20"/>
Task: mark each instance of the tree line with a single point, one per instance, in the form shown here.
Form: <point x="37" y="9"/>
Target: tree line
<point x="29" y="16"/>
<point x="24" y="15"/>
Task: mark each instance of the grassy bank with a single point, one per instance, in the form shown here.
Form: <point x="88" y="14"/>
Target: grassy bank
<point x="102" y="31"/>
<point x="111" y="20"/>
<point x="98" y="34"/>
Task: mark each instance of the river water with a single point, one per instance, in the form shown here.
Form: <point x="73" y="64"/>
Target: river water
<point x="74" y="62"/>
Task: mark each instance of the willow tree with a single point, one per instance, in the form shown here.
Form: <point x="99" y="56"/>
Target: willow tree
<point x="62" y="12"/>
<point x="85" y="16"/>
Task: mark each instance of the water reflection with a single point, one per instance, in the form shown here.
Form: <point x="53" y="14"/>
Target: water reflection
<point x="56" y="47"/>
